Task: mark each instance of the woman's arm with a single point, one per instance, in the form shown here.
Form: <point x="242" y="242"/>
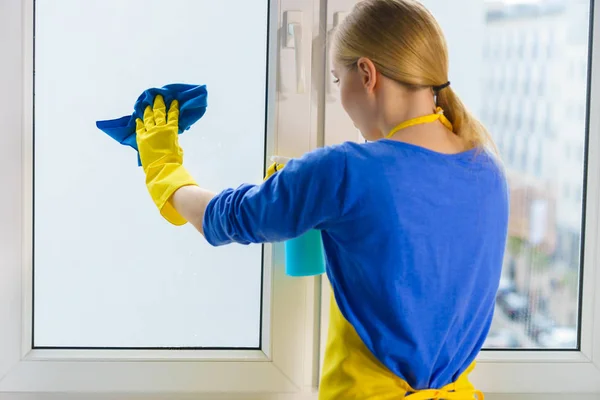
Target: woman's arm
<point x="308" y="193"/>
<point x="284" y="207"/>
<point x="191" y="202"/>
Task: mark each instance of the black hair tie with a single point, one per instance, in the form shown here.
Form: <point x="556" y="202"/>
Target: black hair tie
<point x="440" y="87"/>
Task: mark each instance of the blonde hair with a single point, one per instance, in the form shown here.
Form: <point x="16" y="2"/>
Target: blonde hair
<point x="406" y="44"/>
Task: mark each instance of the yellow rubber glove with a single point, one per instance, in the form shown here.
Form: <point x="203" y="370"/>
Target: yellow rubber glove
<point x="278" y="164"/>
<point x="157" y="138"/>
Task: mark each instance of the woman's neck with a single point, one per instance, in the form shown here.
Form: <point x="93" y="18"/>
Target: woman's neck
<point x="404" y="106"/>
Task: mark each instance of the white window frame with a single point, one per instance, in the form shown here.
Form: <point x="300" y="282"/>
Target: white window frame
<point x="287" y="361"/>
<point x="288" y="367"/>
<point x="531" y="374"/>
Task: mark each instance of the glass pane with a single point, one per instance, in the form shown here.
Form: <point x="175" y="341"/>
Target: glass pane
<point x="109" y="271"/>
<point x="522" y="67"/>
<point x="534" y="86"/>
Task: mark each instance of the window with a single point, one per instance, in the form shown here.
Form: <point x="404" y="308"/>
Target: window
<point x="487" y="49"/>
<point x="525" y="156"/>
<point x="517" y="110"/>
<point x="127" y="290"/>
<point x="552" y="41"/>
<point x="535" y="45"/>
<point x="511" y="153"/>
<point x="90" y="298"/>
<point x="542" y="82"/>
<point x="499" y="48"/>
<point x="527" y="82"/>
<point x="521" y="40"/>
<point x="539" y="159"/>
<point x="547" y="321"/>
<point x="543" y="327"/>
<point x="533" y="116"/>
<point x="549" y="127"/>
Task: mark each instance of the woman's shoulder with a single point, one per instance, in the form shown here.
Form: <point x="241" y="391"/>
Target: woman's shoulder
<point x="320" y="157"/>
<point x="389" y="153"/>
<point x="346" y="150"/>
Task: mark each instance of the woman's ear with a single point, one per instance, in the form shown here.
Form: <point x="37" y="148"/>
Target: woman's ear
<point x="367" y="73"/>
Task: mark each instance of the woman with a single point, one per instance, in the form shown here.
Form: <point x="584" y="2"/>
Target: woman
<point x="413" y="223"/>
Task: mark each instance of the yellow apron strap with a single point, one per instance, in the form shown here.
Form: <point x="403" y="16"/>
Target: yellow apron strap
<point x="439" y="115"/>
<point x="461" y="389"/>
<point x="351" y="371"/>
<point x="442" y="394"/>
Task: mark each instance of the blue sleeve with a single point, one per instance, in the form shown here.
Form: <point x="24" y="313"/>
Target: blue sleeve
<point x="308" y="193"/>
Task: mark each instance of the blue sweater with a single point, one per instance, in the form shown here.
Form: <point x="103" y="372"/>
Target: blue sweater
<point x="414" y="242"/>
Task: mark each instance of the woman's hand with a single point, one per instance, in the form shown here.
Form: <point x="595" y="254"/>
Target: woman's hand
<point x="278" y="164"/>
<point x="162" y="158"/>
<point x="158" y="134"/>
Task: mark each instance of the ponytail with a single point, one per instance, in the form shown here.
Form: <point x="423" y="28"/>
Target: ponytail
<point x="466" y="126"/>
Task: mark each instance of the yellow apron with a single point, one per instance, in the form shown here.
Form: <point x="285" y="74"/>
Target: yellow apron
<point x="351" y="372"/>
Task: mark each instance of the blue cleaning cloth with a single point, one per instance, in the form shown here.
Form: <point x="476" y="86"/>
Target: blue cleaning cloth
<point x="192" y="106"/>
